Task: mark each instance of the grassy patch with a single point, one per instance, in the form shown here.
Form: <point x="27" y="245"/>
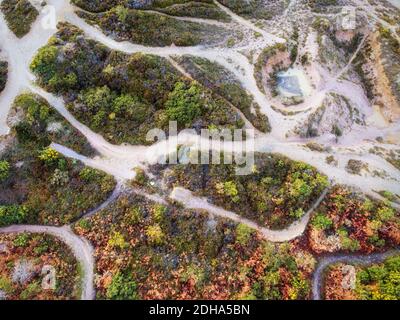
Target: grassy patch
<point x="144" y="28"/>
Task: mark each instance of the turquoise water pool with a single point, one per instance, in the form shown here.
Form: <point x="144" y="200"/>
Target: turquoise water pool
<point x="293" y="83"/>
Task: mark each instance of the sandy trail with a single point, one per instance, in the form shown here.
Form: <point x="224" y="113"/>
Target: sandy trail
<point x="81" y="248"/>
<point x="363" y="260"/>
<point x="295" y="230"/>
<point x="192" y="19"/>
<point x="246" y="23"/>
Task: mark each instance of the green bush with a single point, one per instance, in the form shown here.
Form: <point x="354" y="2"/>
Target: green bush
<point x="117" y="240"/>
<point x="184" y="103"/>
<point x="44" y="63"/>
<point x="13" y="214"/>
<point x="321" y="221"/>
<point x="155" y="235"/>
<point x="6" y="285"/>
<point x="4" y="170"/>
<point x="122" y="287"/>
<point x="49" y="156"/>
<point x="243" y="234"/>
<point x="19" y="14"/>
<point x="21" y="240"/>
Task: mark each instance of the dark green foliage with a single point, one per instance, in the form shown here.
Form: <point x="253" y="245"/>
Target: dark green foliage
<point x="20" y="15"/>
<point x="4" y="170"/>
<point x="144" y="28"/>
<point x="257" y="9"/>
<point x="380" y="282"/>
<point x="122" y="287"/>
<point x="184" y="103"/>
<point x="197" y="10"/>
<point x="121" y="96"/>
<point x="225" y="84"/>
<point x="3" y="74"/>
<point x="96" y="5"/>
<point x="321" y="221"/>
<point x="13" y="214"/>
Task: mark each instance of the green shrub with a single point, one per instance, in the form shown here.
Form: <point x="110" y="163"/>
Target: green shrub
<point x="30" y="291"/>
<point x="122" y="287"/>
<point x="6" y="285"/>
<point x="155" y="235"/>
<point x="117" y="240"/>
<point x="85" y="224"/>
<point x="158" y="212"/>
<point x="243" y="234"/>
<point x="13" y="214"/>
<point x="321" y="221"/>
<point x="4" y="170"/>
<point x="385" y="213"/>
<point x="49" y="156"/>
<point x="21" y="240"/>
<point x="184" y="103"/>
<point x="88" y="174"/>
<point x="44" y="63"/>
<point x="19" y="14"/>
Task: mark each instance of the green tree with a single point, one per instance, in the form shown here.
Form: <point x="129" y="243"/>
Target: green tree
<point x="122" y="287"/>
<point x="13" y="214"/>
<point x="4" y="170"/>
<point x="321" y="221"/>
<point x="184" y="103"/>
<point x="243" y="234"/>
<point x="44" y="63"/>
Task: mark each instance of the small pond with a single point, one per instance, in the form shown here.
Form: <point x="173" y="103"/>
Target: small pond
<point x="293" y="83"/>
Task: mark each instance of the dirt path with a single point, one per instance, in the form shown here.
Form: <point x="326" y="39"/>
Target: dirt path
<point x="81" y="248"/>
<point x="364" y="260"/>
<point x="295" y="230"/>
<point x="247" y="24"/>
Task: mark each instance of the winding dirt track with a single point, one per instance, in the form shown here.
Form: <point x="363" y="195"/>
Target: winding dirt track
<point x="293" y="231"/>
<point x="318" y="277"/>
<point x="81" y="248"/>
